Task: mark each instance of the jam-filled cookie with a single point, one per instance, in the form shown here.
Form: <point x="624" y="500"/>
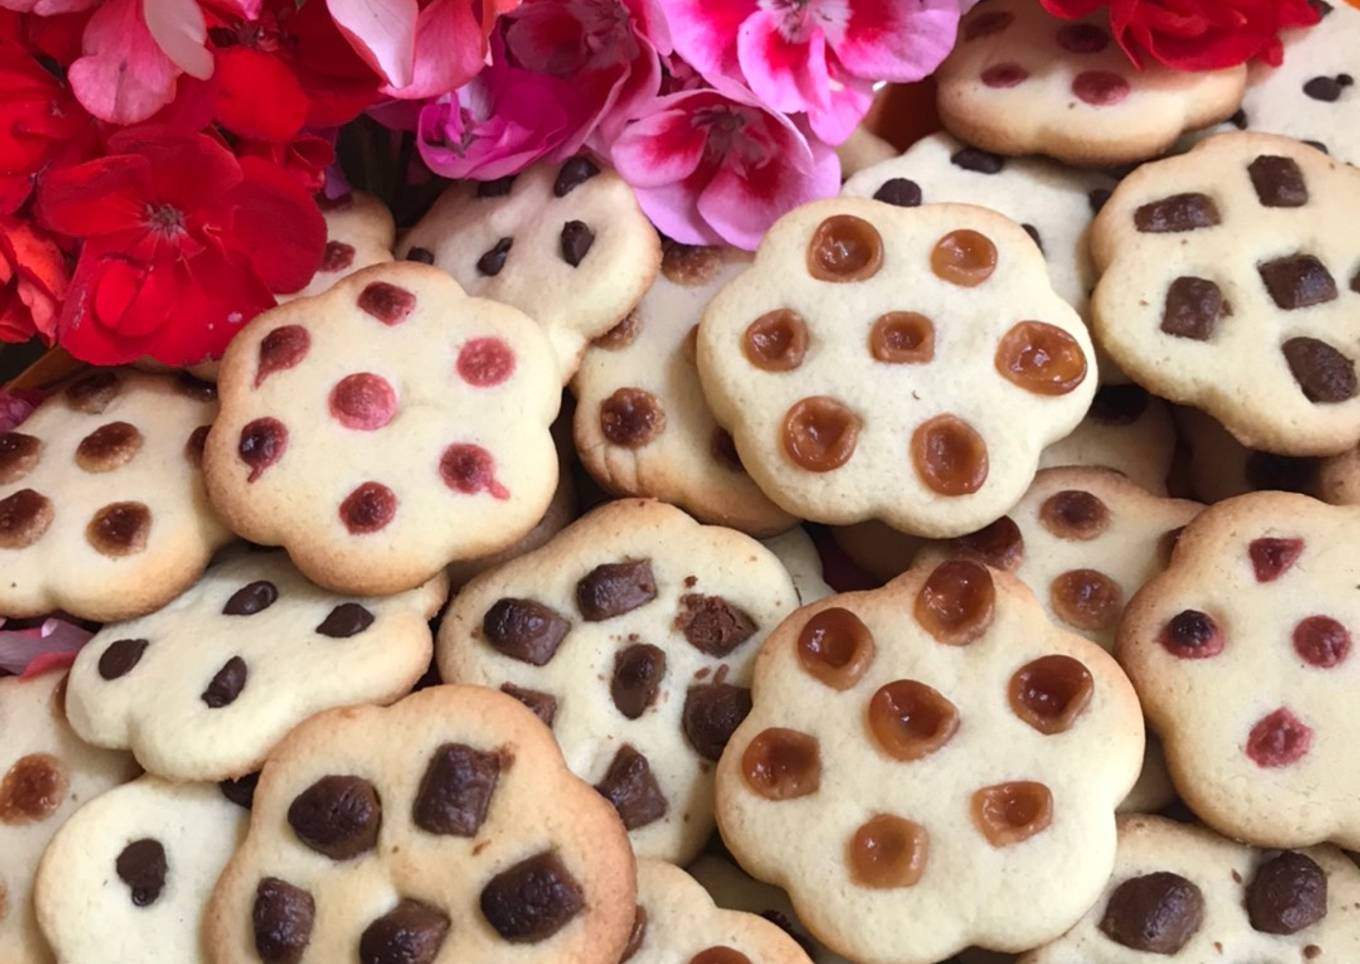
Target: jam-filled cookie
<point x="384" y="429"/>
<point x="127" y="878"/>
<point x="102" y="508"/>
<point x="359" y="233"/>
<point x="1220" y="467"/>
<point x="1241" y="653"/>
<point x="642" y="425"/>
<point x="443" y="828"/>
<point x="632" y="634"/>
<point x="1023" y="82"/>
<point x="1184" y="895"/>
<point x="905" y="364"/>
<point x="931" y="765"/>
<point x="1230" y="281"/>
<point x="565" y="243"/>
<point x="204" y="688"/>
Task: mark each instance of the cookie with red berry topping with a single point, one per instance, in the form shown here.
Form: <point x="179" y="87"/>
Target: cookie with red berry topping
<point x="384" y="429"/>
<point x="1023" y="82"/>
<point x="359" y="233"/>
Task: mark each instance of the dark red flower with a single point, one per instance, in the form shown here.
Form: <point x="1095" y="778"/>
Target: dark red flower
<point x="183" y="244"/>
<point x="32" y="281"/>
<point x="40" y="122"/>
<point x="305" y="157"/>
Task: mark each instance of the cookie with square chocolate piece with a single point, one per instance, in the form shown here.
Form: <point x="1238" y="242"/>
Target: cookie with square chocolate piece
<point x="1220" y="467"/>
<point x="632" y="634"/>
<point x="443" y="828"/>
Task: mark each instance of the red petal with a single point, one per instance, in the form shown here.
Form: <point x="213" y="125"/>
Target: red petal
<point x="104" y="196"/>
<point x="277" y="225"/>
<point x="1072" y="9"/>
<point x="258" y="96"/>
<point x="188" y="171"/>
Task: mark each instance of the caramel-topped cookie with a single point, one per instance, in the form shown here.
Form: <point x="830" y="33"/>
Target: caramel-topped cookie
<point x="565" y="243"/>
<point x="931" y="765"/>
<point x="906" y="364"/>
<point x="443" y="828"/>
<point x="632" y="634"/>
<point x="384" y="429"/>
<point x="359" y="233"/>
<point x="102" y="508"/>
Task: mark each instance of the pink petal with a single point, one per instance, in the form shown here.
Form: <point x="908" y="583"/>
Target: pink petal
<point x="849" y="102"/>
<point x="672" y="208"/>
<point x="179" y="30"/>
<point x="449" y="51"/>
<point x="788" y="77"/>
<point x="704" y="33"/>
<point x="124" y="76"/>
<point x="51" y="8"/>
<point x="661" y="149"/>
<point x="895" y="40"/>
<point x="382" y="32"/>
<point x="15" y="406"/>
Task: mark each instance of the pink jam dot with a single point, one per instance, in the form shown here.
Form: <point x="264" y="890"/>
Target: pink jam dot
<point x="368" y="508"/>
<point x="261" y="445"/>
<point x="282" y="348"/>
<point x="386" y="302"/>
<point x="337" y="256"/>
<point x="471" y="469"/>
<point x="1321" y="641"/>
<point x="1083" y="38"/>
<point x="1005" y="75"/>
<point x="991" y="22"/>
<point x="486" y="361"/>
<point x="1100" y="88"/>
<point x="1271" y="557"/>
<point x="363" y="401"/>
<point x="1279" y="739"/>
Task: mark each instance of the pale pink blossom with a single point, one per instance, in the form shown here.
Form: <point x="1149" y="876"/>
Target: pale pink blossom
<point x="37" y="649"/>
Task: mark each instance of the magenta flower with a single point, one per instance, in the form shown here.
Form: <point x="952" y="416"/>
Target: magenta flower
<point x="710" y="167"/>
<point x="820" y="57"/>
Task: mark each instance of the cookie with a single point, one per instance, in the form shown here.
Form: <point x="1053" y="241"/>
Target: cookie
<point x="126" y="879"/>
<point x="632" y="634"/>
<point x="359" y="233"/>
<point x="384" y="429"/>
<point x="1230" y="282"/>
<point x="561" y="512"/>
<point x="102" y="507"/>
<point x="204" y="688"/>
<point x="1184" y="895"/>
<point x="947" y="761"/>
<point x="678" y="923"/>
<point x="445" y="827"/>
<point x="1023" y="82"/>
<point x="1338" y="478"/>
<point x="1239" y="652"/>
<point x="863" y="148"/>
<point x="796" y="550"/>
<point x="878" y="549"/>
<point x="1220" y="467"/>
<point x="905" y="364"/>
<point x="565" y="243"/>
<point x="1127" y="430"/>
<point x="46" y="773"/>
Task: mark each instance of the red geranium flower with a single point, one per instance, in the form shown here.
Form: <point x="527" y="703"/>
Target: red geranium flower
<point x="32" y="281"/>
<point x="305" y="157"/>
<point x="183" y="244"/>
<point x="40" y="121"/>
<point x="1196" y="34"/>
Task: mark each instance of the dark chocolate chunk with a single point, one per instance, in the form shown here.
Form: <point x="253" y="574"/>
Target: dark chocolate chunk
<point x="632" y="788"/>
<point x="456" y="790"/>
<point x="983" y="162"/>
<point x="1288" y="893"/>
<point x="241" y="791"/>
<point x="345" y="620"/>
<point x="1278" y="181"/>
<point x="525" y="630"/>
<point x="142" y="866"/>
<point x="338" y="816"/>
<point x="1239" y="119"/>
<point x="227" y="684"/>
<point x="1192" y="309"/>
<point x="638" y="671"/>
<point x="900" y="191"/>
<point x="575" y="172"/>
<point x="576" y="241"/>
<point x="1033" y="232"/>
<point x="282" y="917"/>
<point x="1179" y="212"/>
<point x="1323" y="88"/>
<point x="120" y="656"/>
<point x="422" y="255"/>
<point x="1119" y="404"/>
<point x="410" y="933"/>
<point x="712" y="714"/>
<point x="713" y="625"/>
<point x="251" y="599"/>
<point x="1157" y="913"/>
<point x="1323" y="373"/>
<point x="491" y="262"/>
<point x="544" y="705"/>
<point x="496" y="188"/>
<point x="532" y="900"/>
<point x="614" y="588"/>
<point x="1297" y="281"/>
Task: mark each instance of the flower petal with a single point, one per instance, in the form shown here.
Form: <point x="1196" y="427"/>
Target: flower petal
<point x="672" y="208"/>
<point x="850" y="100"/>
<point x="102" y="196"/>
<point x="179" y="30"/>
<point x="187" y="170"/>
<point x="382" y="32"/>
<point x="124" y="76"/>
<point x="257" y="96"/>
<point x="704" y="33"/>
<point x="277" y="226"/>
<point x="786" y="76"/>
<point x="900" y="41"/>
<point x="661" y="149"/>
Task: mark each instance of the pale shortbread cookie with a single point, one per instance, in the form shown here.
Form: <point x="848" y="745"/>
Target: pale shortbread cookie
<point x="384" y="429"/>
<point x="1338" y="479"/>
<point x="102" y="508"/>
<point x="878" y="549"/>
<point x="1241" y="653"/>
<point x="931" y="765"/>
<point x="46" y="774"/>
<point x="1127" y="430"/>
<point x="562" y="511"/>
<point x="906" y="364"/>
<point x="796" y="550"/>
<point x="1021" y="81"/>
<point x="443" y="828"/>
<point x="642" y="425"/>
<point x="862" y="149"/>
<point x="632" y="633"/>
<point x="204" y="688"/>
<point x="1184" y="895"/>
<point x="127" y="878"/>
<point x="359" y="233"/>
<point x="567" y="244"/>
<point x="1230" y="282"/>
<point x="1221" y="467"/>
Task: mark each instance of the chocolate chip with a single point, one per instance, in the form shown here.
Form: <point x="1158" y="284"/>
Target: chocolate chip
<point x="1239" y="119"/>
<point x="1192" y="309"/>
<point x="241" y="791"/>
<point x="1278" y="181"/>
<point x="282" y="917"/>
<point x="1355" y="283"/>
<point x="631" y="417"/>
<point x="493" y="260"/>
<point x="337" y="256"/>
<point x="614" y="588"/>
<point x="575" y="172"/>
<point x="638" y="671"/>
<point x="18" y="454"/>
<point x="900" y="191"/>
<point x="410" y="933"/>
<point x="345" y="620"/>
<point x="1345" y="80"/>
<point x="713" y="625"/>
<point x="227" y="684"/>
<point x="195" y="388"/>
<point x="576" y="241"/>
<point x="1297" y="281"/>
<point x="1324" y="374"/>
<point x="1033" y="232"/>
<point x="193" y="448"/>
<point x="636" y="936"/>
<point x="1097" y="198"/>
<point x="632" y="788"/>
<point x="1318" y="146"/>
<point x="1323" y="88"/>
<point x="532" y="900"/>
<point x="456" y="790"/>
<point x="712" y="714"/>
<point x="388" y="303"/>
<point x="496" y="188"/>
<point x="421" y="255"/>
<point x="983" y="162"/>
<point x="1283" y="473"/>
<point x="1288" y="893"/>
<point x="93" y="393"/>
<point x="525" y="630"/>
<point x="120" y="529"/>
<point x="141" y="866"/>
<point x="24" y="518"/>
<point x="338" y="816"/>
<point x="1119" y="404"/>
<point x="1179" y="212"/>
<point x="543" y="705"/>
<point x="1158" y="913"/>
<point x="120" y="657"/>
<point x="251" y="599"/>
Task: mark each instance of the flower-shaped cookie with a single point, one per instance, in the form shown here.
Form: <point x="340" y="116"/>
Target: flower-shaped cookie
<point x="204" y="688"/>
<point x="908" y="364"/>
<point x="443" y="828"/>
<point x="567" y="244"/>
<point x="359" y="233"/>
<point x="642" y="425"/>
<point x="1182" y="894"/>
<point x="385" y="428"/>
<point x="1241" y="653"/>
<point x="46" y="773"/>
<point x="1231" y="281"/>
<point x="102" y="508"/>
<point x="1220" y="467"/>
<point x="1127" y="430"/>
<point x="632" y="634"/>
<point x="923" y="759"/>
<point x="1022" y="82"/>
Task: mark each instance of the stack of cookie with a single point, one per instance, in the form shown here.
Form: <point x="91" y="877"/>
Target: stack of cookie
<point x="407" y="656"/>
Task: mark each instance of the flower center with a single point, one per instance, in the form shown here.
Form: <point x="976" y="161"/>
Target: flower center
<point x="797" y="19"/>
<point x="733" y="138"/>
<point x="165" y="219"/>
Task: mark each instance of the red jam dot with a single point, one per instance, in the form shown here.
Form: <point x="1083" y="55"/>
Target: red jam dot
<point x="261" y="445"/>
<point x="1271" y="557"/>
<point x="1192" y="634"/>
<point x="484" y="362"/>
<point x="281" y="349"/>
<point x="1321" y="641"/>
<point x="1100" y="88"/>
<point x="363" y="401"/>
<point x="1005" y="75"/>
<point x="471" y="469"/>
<point x="368" y="508"/>
<point x="1082" y="38"/>
<point x="1279" y="739"/>
<point x="388" y="303"/>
